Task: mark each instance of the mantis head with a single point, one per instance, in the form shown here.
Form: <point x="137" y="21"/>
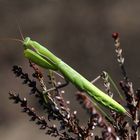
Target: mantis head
<point x="26" y="42"/>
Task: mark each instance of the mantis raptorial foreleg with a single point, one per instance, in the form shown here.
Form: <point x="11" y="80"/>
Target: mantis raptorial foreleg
<point x="43" y="62"/>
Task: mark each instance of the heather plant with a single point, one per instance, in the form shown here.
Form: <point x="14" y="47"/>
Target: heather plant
<point x="62" y="123"/>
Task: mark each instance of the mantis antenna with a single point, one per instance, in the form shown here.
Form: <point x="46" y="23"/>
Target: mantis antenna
<point x="15" y="39"/>
<point x="11" y="39"/>
<point x="20" y="31"/>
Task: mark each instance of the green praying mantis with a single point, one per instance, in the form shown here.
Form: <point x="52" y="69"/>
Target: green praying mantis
<point x="41" y="56"/>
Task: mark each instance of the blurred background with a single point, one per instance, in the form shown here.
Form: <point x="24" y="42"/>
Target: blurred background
<point x="77" y="31"/>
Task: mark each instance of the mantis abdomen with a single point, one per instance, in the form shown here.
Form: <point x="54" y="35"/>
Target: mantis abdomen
<point x="83" y="84"/>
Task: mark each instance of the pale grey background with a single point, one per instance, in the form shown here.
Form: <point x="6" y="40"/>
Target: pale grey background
<point x="79" y="32"/>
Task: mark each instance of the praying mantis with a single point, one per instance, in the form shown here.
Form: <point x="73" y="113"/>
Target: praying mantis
<point x="41" y="56"/>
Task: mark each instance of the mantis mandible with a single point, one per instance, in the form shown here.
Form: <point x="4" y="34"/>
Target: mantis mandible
<point x="44" y="58"/>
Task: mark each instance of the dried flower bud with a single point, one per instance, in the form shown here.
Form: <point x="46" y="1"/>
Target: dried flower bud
<point x="115" y="35"/>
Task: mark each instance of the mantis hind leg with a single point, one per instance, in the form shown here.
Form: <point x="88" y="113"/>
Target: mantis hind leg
<point x="39" y="60"/>
<point x="107" y="78"/>
<point x="55" y="86"/>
